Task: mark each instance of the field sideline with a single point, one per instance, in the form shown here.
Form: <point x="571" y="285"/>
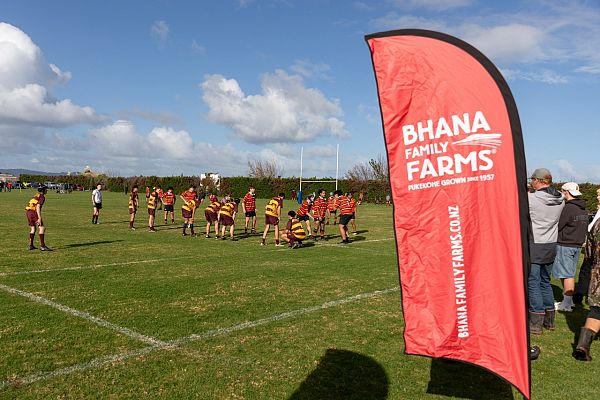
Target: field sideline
<point x="115" y="313"/>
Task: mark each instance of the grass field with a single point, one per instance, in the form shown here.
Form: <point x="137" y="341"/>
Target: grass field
<point x="115" y="313"/>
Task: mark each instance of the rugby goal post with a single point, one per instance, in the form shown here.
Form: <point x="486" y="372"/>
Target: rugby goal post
<point x="337" y="167"/>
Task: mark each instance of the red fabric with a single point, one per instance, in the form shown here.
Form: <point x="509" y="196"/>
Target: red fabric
<point x="457" y="224"/>
<point x="319" y="208"/>
<point x="249" y="202"/>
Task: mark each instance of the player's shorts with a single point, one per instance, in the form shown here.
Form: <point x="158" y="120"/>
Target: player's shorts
<point x="31" y="217"/>
<point x="332" y="211"/>
<point x="210" y="216"/>
<point x="321" y="220"/>
<point x="344" y="219"/>
<point x="186" y="213"/>
<point x="169" y="207"/>
<point x="132" y="210"/>
<point x="98" y="206"/>
<point x="152" y="211"/>
<point x="251" y="214"/>
<point x="353" y="216"/>
<point x="226" y="220"/>
<point x="302" y="217"/>
<point x="271" y="220"/>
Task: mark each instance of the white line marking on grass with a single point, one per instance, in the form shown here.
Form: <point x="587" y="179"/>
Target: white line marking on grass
<point x="39" y="271"/>
<point x="98" y="321"/>
<point x="105" y="360"/>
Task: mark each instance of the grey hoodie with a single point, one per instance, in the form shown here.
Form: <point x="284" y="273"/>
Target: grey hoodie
<point x="545" y="207"/>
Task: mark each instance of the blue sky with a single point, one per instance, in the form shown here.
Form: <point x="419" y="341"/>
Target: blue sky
<point x="169" y="87"/>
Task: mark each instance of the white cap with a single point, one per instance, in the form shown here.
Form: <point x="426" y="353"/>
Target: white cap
<point x="572" y="188"/>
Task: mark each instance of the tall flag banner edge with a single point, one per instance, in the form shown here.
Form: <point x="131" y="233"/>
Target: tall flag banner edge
<point x="519" y="165"/>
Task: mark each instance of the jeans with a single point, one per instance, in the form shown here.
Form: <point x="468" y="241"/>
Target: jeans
<point x="541" y="297"/>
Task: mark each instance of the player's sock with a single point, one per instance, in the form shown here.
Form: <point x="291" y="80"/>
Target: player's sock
<point x="192" y="229"/>
<point x="42" y="242"/>
<point x="276" y="242"/>
<point x="31" y="237"/>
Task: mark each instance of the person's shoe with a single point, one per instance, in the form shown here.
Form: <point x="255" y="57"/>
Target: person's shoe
<point x="45" y="248"/>
<point x="262" y="243"/>
<point x="165" y="221"/>
<point x="133" y="228"/>
<point x="295" y="245"/>
<point x="245" y="231"/>
<point x="253" y="231"/>
<point x="151" y="230"/>
<point x="223" y="238"/>
<point x="354" y="233"/>
<point x="207" y="236"/>
<point x="582" y="351"/>
<point x="32" y="247"/>
<point x="172" y="221"/>
<point x="560" y="306"/>
<point x="549" y="320"/>
<point x="217" y="237"/>
<point x="536" y="321"/>
<point x="343" y="242"/>
<point x="534" y="352"/>
<point x="184" y="234"/>
<point x="278" y="245"/>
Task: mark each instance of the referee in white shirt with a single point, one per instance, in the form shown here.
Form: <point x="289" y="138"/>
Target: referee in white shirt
<point x="97" y="202"/>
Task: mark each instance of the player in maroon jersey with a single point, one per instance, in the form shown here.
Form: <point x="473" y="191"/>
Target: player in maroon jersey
<point x="33" y="212"/>
<point x="249" y="209"/>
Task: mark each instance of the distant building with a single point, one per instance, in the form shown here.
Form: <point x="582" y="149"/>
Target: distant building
<point x="8" y="178"/>
<point x="87" y="171"/>
<point x="216" y="178"/>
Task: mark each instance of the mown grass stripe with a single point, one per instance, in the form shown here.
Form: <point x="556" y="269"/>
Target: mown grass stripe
<point x="81" y="314"/>
<point x="106" y="360"/>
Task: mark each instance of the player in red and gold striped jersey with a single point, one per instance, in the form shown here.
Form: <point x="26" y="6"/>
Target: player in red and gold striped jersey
<point x="332" y="207"/>
<point x="249" y="209"/>
<point x="272" y="215"/>
<point x="353" y="204"/>
<point x="188" y="209"/>
<point x="345" y="215"/>
<point x="33" y="212"/>
<point x="303" y="214"/>
<point x="319" y="212"/>
<point x="168" y="200"/>
<point x="133" y="205"/>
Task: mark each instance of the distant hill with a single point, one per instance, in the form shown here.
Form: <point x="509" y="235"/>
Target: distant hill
<point x="17" y="171"/>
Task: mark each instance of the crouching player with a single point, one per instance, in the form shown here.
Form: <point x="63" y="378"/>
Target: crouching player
<point x="188" y="210"/>
<point x="211" y="213"/>
<point x="227" y="217"/>
<point x="294" y="232"/>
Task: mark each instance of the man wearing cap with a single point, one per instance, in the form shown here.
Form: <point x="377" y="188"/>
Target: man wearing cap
<point x="545" y="207"/>
<point x="572" y="230"/>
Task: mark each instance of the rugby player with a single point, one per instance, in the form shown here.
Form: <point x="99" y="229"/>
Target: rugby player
<point x="332" y="206"/>
<point x="227" y="217"/>
<point x="168" y="200"/>
<point x="97" y="203"/>
<point x="319" y="211"/>
<point x="249" y="209"/>
<point x="133" y="205"/>
<point x="33" y="212"/>
<point x="211" y="214"/>
<point x="294" y="232"/>
<point x="188" y="210"/>
<point x="272" y="215"/>
<point x="345" y="215"/>
<point x="151" y="203"/>
<point x="304" y="214"/>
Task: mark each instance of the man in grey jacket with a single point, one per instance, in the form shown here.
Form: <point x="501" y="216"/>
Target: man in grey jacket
<point x="545" y="207"/>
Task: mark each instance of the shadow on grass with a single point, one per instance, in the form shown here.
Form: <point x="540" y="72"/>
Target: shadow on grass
<point x="575" y="319"/>
<point x="68" y="246"/>
<point x="357" y="238"/>
<point x="343" y="374"/>
<point x="557" y="292"/>
<point x="457" y="379"/>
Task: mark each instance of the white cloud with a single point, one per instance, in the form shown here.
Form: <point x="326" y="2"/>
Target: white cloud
<point x="308" y="69"/>
<point x="198" y="48"/>
<point x="25" y="76"/>
<point x="285" y="111"/>
<point x="160" y="31"/>
<point x="544" y="75"/>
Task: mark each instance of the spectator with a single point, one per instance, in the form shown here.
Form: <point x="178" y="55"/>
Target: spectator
<point x="572" y="230"/>
<point x="545" y="207"/>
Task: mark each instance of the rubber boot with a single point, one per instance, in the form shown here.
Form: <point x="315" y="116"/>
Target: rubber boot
<point x="582" y="351"/>
<point x="549" y="320"/>
<point x="534" y="352"/>
<point x="536" y="321"/>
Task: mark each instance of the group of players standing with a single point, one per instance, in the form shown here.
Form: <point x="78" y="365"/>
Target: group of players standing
<point x="221" y="214"/>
